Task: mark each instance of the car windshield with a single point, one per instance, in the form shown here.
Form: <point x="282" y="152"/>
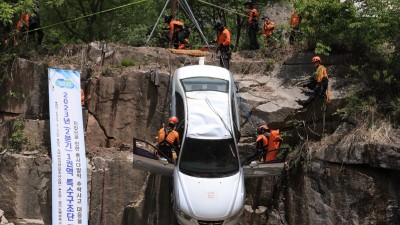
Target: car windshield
<point x="209" y="158"/>
<point x="205" y="84"/>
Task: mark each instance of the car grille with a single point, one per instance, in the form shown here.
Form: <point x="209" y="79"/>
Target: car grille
<point x="201" y="222"/>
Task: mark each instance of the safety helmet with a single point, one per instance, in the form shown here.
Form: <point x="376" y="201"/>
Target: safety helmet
<point x="218" y="25"/>
<point x="316" y="59"/>
<point x="173" y="120"/>
<point x="167" y="19"/>
<point x="262" y="129"/>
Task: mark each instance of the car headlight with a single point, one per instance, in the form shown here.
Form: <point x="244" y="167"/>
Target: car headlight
<point x="237" y="216"/>
<point x="184" y="215"/>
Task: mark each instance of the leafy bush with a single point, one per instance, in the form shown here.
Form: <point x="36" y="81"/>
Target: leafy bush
<point x="17" y="139"/>
<point x="127" y="62"/>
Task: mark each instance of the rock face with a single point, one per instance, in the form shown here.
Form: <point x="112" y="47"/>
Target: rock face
<point x="345" y="183"/>
<point x="335" y="184"/>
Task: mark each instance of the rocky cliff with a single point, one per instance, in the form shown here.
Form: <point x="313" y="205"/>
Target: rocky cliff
<point x="335" y="180"/>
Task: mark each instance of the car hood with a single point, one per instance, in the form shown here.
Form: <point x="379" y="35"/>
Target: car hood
<point x="209" y="198"/>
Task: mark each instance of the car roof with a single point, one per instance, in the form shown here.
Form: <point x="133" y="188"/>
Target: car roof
<point x="208" y="112"/>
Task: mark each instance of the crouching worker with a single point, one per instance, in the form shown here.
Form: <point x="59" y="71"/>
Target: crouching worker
<point x="168" y="139"/>
<point x="178" y="33"/>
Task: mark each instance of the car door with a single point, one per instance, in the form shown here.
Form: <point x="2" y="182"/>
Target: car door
<point x="256" y="169"/>
<point x="146" y="158"/>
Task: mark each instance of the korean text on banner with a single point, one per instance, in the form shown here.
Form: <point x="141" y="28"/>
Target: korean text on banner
<point x="69" y="176"/>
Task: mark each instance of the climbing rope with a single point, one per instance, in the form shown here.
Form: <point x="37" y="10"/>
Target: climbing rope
<point x="188" y="11"/>
<point x="225" y="9"/>
<point x="158" y="20"/>
<point x="247" y="112"/>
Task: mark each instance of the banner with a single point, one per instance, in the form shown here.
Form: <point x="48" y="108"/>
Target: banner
<point x="69" y="173"/>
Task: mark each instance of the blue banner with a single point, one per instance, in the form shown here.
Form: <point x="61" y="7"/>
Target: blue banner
<point x="69" y="173"/>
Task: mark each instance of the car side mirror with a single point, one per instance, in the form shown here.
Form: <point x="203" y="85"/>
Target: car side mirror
<point x="163" y="161"/>
<point x="254" y="164"/>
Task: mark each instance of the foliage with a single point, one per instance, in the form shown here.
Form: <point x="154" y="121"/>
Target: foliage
<point x="369" y="30"/>
<point x="17" y="139"/>
<point x="127" y="62"/>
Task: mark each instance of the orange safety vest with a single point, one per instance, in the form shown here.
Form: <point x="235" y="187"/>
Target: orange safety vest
<point x="253" y="14"/>
<point x="264" y="140"/>
<point x="171" y="138"/>
<point x="174" y="26"/>
<point x="23" y="21"/>
<point x="224" y="37"/>
<point x="294" y="19"/>
<point x="268" y="28"/>
<point x="274" y="144"/>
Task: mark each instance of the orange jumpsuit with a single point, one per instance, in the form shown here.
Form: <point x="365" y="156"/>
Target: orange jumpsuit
<point x="273" y="145"/>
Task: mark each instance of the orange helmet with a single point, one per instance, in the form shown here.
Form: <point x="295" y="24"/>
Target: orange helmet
<point x="316" y="59"/>
<point x="174" y="120"/>
<point x="262" y="129"/>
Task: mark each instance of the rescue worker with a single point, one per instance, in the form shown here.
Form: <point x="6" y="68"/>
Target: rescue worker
<point x="22" y="26"/>
<point x="268" y="27"/>
<point x="262" y="142"/>
<point x="274" y="142"/>
<point x="178" y="33"/>
<point x="168" y="139"/>
<point x="252" y="24"/>
<point x="295" y="20"/>
<point x="224" y="43"/>
<point x="318" y="83"/>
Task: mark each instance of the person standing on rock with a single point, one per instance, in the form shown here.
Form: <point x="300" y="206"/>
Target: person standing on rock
<point x="252" y="24"/>
<point x="318" y="83"/>
<point x="168" y="139"/>
<point x="295" y="20"/>
<point x="224" y="43"/>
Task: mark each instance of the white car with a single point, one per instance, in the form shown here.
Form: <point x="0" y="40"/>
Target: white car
<point x="208" y="176"/>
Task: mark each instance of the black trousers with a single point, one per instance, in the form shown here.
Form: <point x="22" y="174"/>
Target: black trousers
<point x="224" y="57"/>
<point x="293" y="34"/>
<point x="32" y="33"/>
<point x="252" y="32"/>
<point x="179" y="38"/>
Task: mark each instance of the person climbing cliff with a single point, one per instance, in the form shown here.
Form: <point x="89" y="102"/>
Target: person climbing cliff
<point x="168" y="139"/>
<point x="223" y="41"/>
<point x="318" y="83"/>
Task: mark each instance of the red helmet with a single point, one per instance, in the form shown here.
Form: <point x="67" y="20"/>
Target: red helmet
<point x="174" y="120"/>
<point x="262" y="129"/>
<point x="316" y="59"/>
